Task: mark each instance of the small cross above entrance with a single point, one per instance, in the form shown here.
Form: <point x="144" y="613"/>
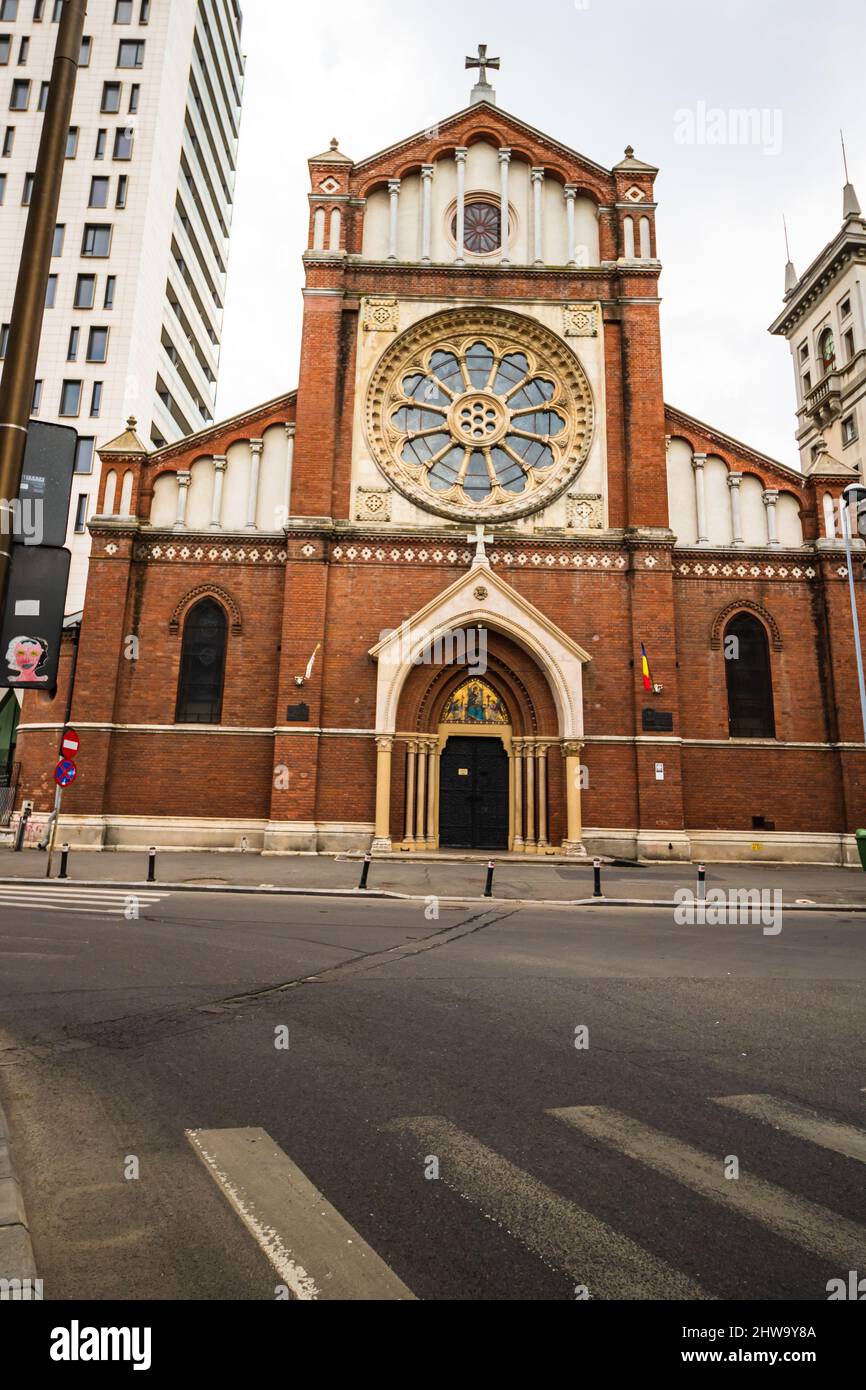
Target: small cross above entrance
<point x="482" y="540"/>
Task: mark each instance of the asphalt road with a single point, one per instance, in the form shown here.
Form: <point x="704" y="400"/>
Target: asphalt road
<point x="429" y="1085"/>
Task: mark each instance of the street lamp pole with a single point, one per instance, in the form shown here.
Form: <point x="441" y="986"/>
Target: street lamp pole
<point x="25" y="327"/>
<point x="850" y="497"/>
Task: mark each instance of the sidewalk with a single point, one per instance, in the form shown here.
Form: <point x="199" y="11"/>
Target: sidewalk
<point x="445" y="877"/>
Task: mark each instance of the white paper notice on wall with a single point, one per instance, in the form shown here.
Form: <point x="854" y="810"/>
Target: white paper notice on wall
<point x="27" y="608"/>
<point x="660" y="772"/>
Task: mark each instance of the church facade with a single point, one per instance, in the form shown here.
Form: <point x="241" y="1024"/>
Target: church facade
<point x="473" y="586"/>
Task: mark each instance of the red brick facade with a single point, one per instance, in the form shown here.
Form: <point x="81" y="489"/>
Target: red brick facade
<point x="332" y="583"/>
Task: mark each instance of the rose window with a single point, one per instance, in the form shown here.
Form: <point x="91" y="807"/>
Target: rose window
<point x="482" y="423"/>
<point x="482" y="228"/>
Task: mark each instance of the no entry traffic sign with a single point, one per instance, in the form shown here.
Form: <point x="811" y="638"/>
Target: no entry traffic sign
<point x="71" y="744"/>
<point x="66" y="773"/>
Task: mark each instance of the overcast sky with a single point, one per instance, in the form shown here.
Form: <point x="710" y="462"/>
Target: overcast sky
<point x="597" y="75"/>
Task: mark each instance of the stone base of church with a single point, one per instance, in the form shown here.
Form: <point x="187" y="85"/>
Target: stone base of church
<point x="116" y="833"/>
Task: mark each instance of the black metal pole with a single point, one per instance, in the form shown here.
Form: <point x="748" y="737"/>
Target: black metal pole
<point x="365" y="873"/>
<point x="597" y="893"/>
<point x="22" y="830"/>
<point x="64" y="861"/>
<point x="151" y="866"/>
<point x="25" y="324"/>
<point x="491" y="868"/>
<point x="702" y="882"/>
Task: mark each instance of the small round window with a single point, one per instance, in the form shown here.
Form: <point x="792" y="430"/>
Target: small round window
<point x="482" y="228"/>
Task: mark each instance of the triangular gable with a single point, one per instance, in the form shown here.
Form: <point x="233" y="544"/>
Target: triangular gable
<point x="484" y="113"/>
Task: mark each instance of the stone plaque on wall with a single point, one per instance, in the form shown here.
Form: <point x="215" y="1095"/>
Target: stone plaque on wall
<point x="381" y="315"/>
<point x="581" y="320"/>
<point x="373" y="504"/>
<point x="585" y="511"/>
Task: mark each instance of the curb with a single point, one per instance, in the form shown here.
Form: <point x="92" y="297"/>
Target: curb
<point x="385" y="895"/>
<point x="17" y="1261"/>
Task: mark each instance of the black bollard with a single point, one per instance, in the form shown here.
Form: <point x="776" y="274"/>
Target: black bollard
<point x="702" y="882"/>
<point x="365" y="873"/>
<point x="151" y="866"/>
<point x="491" y="867"/>
<point x="597" y="893"/>
<point x="64" y="861"/>
<point x="22" y="830"/>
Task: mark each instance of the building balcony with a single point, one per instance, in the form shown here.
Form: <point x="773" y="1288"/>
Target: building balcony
<point x="823" y="404"/>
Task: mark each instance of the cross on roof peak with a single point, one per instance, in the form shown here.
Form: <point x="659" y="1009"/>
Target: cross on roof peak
<point x="482" y="63"/>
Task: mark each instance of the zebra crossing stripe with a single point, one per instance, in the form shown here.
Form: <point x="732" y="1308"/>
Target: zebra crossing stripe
<point x="813" y="1228"/>
<point x="801" y="1123"/>
<point x="562" y="1234"/>
<point x="315" y="1252"/>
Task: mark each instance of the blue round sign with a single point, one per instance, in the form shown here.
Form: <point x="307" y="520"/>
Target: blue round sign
<point x="65" y="774"/>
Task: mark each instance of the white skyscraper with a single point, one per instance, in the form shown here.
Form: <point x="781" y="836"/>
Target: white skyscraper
<point x="135" y="303"/>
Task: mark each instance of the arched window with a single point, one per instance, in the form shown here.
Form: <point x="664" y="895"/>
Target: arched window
<point x="202" y="665"/>
<point x="628" y="232"/>
<point x="750" y="679"/>
<point x="827" y="350"/>
<point x="646" y="244"/>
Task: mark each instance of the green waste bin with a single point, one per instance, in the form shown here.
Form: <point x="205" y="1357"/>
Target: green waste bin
<point x="861" y="846"/>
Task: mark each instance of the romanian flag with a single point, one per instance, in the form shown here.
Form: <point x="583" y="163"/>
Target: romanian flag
<point x="648" y="683"/>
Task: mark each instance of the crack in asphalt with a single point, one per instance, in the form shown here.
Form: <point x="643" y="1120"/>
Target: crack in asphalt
<point x="368" y="961"/>
<point x="137" y="1030"/>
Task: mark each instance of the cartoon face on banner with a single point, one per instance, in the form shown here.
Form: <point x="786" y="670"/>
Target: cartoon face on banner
<point x="26" y="658"/>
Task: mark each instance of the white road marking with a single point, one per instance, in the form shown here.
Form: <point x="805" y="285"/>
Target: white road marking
<point x="89" y="901"/>
<point x="315" y="1252"/>
<point x="802" y="1123"/>
<point x="813" y="1228"/>
<point x="562" y="1234"/>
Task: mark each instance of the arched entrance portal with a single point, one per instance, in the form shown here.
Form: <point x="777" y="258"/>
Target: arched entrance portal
<point x="453" y="735"/>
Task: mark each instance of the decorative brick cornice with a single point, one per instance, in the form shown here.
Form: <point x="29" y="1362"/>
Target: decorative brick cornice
<point x="196" y="445"/>
<point x="791" y="566"/>
<point x="484" y="121"/>
<point x="731" y="450"/>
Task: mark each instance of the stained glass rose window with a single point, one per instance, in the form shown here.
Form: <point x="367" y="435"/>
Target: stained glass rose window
<point x="482" y="228"/>
<point x="480" y="415"/>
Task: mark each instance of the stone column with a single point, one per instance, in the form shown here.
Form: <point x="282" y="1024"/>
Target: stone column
<point x="570" y="196"/>
<point x="517" y="754"/>
<point x="530" y="797"/>
<point x="771" y="497"/>
<point x="411" y="757"/>
<point x="538" y="214"/>
<point x="460" y="157"/>
<point x="256" y="448"/>
<point x="504" y="171"/>
<point x="699" y="463"/>
<point x="572" y="752"/>
<point x="426" y="212"/>
<point x="734" y="483"/>
<point x="394" y="191"/>
<point x="220" y="464"/>
<point x="541" y="755"/>
<point x="432" y="793"/>
<point x="385" y="747"/>
<point x="421" y="797"/>
<point x="183" y="485"/>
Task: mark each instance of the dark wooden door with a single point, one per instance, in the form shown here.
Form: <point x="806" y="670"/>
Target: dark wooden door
<point x="473" y="796"/>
